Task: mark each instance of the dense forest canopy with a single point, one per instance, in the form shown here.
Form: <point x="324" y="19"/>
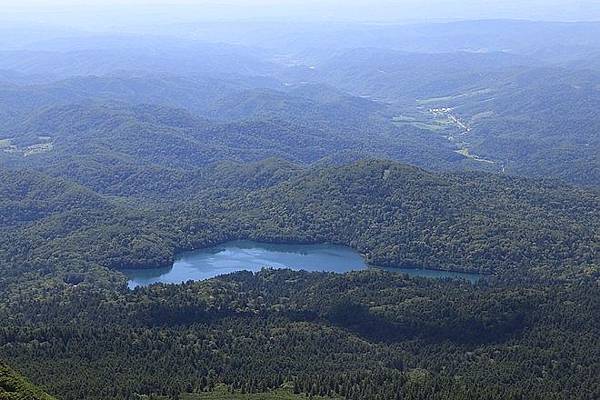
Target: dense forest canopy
<point x="394" y="214"/>
<point x="14" y="387"/>
<point x="466" y="146"/>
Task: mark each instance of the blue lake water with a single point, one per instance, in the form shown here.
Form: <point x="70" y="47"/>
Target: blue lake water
<point x="252" y="256"/>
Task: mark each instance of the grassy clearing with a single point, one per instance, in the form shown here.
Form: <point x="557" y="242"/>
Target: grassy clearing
<point x="37" y="149"/>
<point x="433" y="127"/>
<point x="476" y="92"/>
<point x="465" y="152"/>
<point x="436" y="100"/>
<point x="403" y="118"/>
<point x="428" y="124"/>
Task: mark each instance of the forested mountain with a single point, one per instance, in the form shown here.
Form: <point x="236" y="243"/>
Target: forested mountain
<point x="196" y="94"/>
<point x="466" y="146"/>
<point x="103" y="144"/>
<point x="591" y="61"/>
<point x="106" y="55"/>
<point x="384" y="333"/>
<point x="504" y="110"/>
<point x="397" y="76"/>
<point x="27" y="197"/>
<point x="14" y="387"/>
<point x="395" y="215"/>
<point x="232" y="98"/>
<point x="540" y="122"/>
<point x="548" y="41"/>
<point x="524" y="114"/>
<point x="364" y="335"/>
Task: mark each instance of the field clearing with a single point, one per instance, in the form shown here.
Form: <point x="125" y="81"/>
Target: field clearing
<point x="403" y="118"/>
<point x="454" y="97"/>
<point x="430" y="125"/>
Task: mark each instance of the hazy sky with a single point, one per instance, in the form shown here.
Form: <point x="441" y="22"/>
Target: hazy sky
<point x="82" y="12"/>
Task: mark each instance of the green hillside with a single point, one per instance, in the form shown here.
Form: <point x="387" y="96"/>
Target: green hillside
<point x="440" y="182"/>
<point x="394" y="214"/>
<point x="15" y="387"/>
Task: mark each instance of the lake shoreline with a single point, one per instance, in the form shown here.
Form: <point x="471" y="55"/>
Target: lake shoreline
<point x="247" y="255"/>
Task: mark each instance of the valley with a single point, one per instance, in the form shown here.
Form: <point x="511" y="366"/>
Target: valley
<point x="442" y="121"/>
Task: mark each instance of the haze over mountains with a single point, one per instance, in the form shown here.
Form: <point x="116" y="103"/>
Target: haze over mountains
<point x="468" y="145"/>
<point x="132" y="14"/>
<point x="518" y="95"/>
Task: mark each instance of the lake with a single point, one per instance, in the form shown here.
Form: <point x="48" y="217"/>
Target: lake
<point x="253" y="256"/>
